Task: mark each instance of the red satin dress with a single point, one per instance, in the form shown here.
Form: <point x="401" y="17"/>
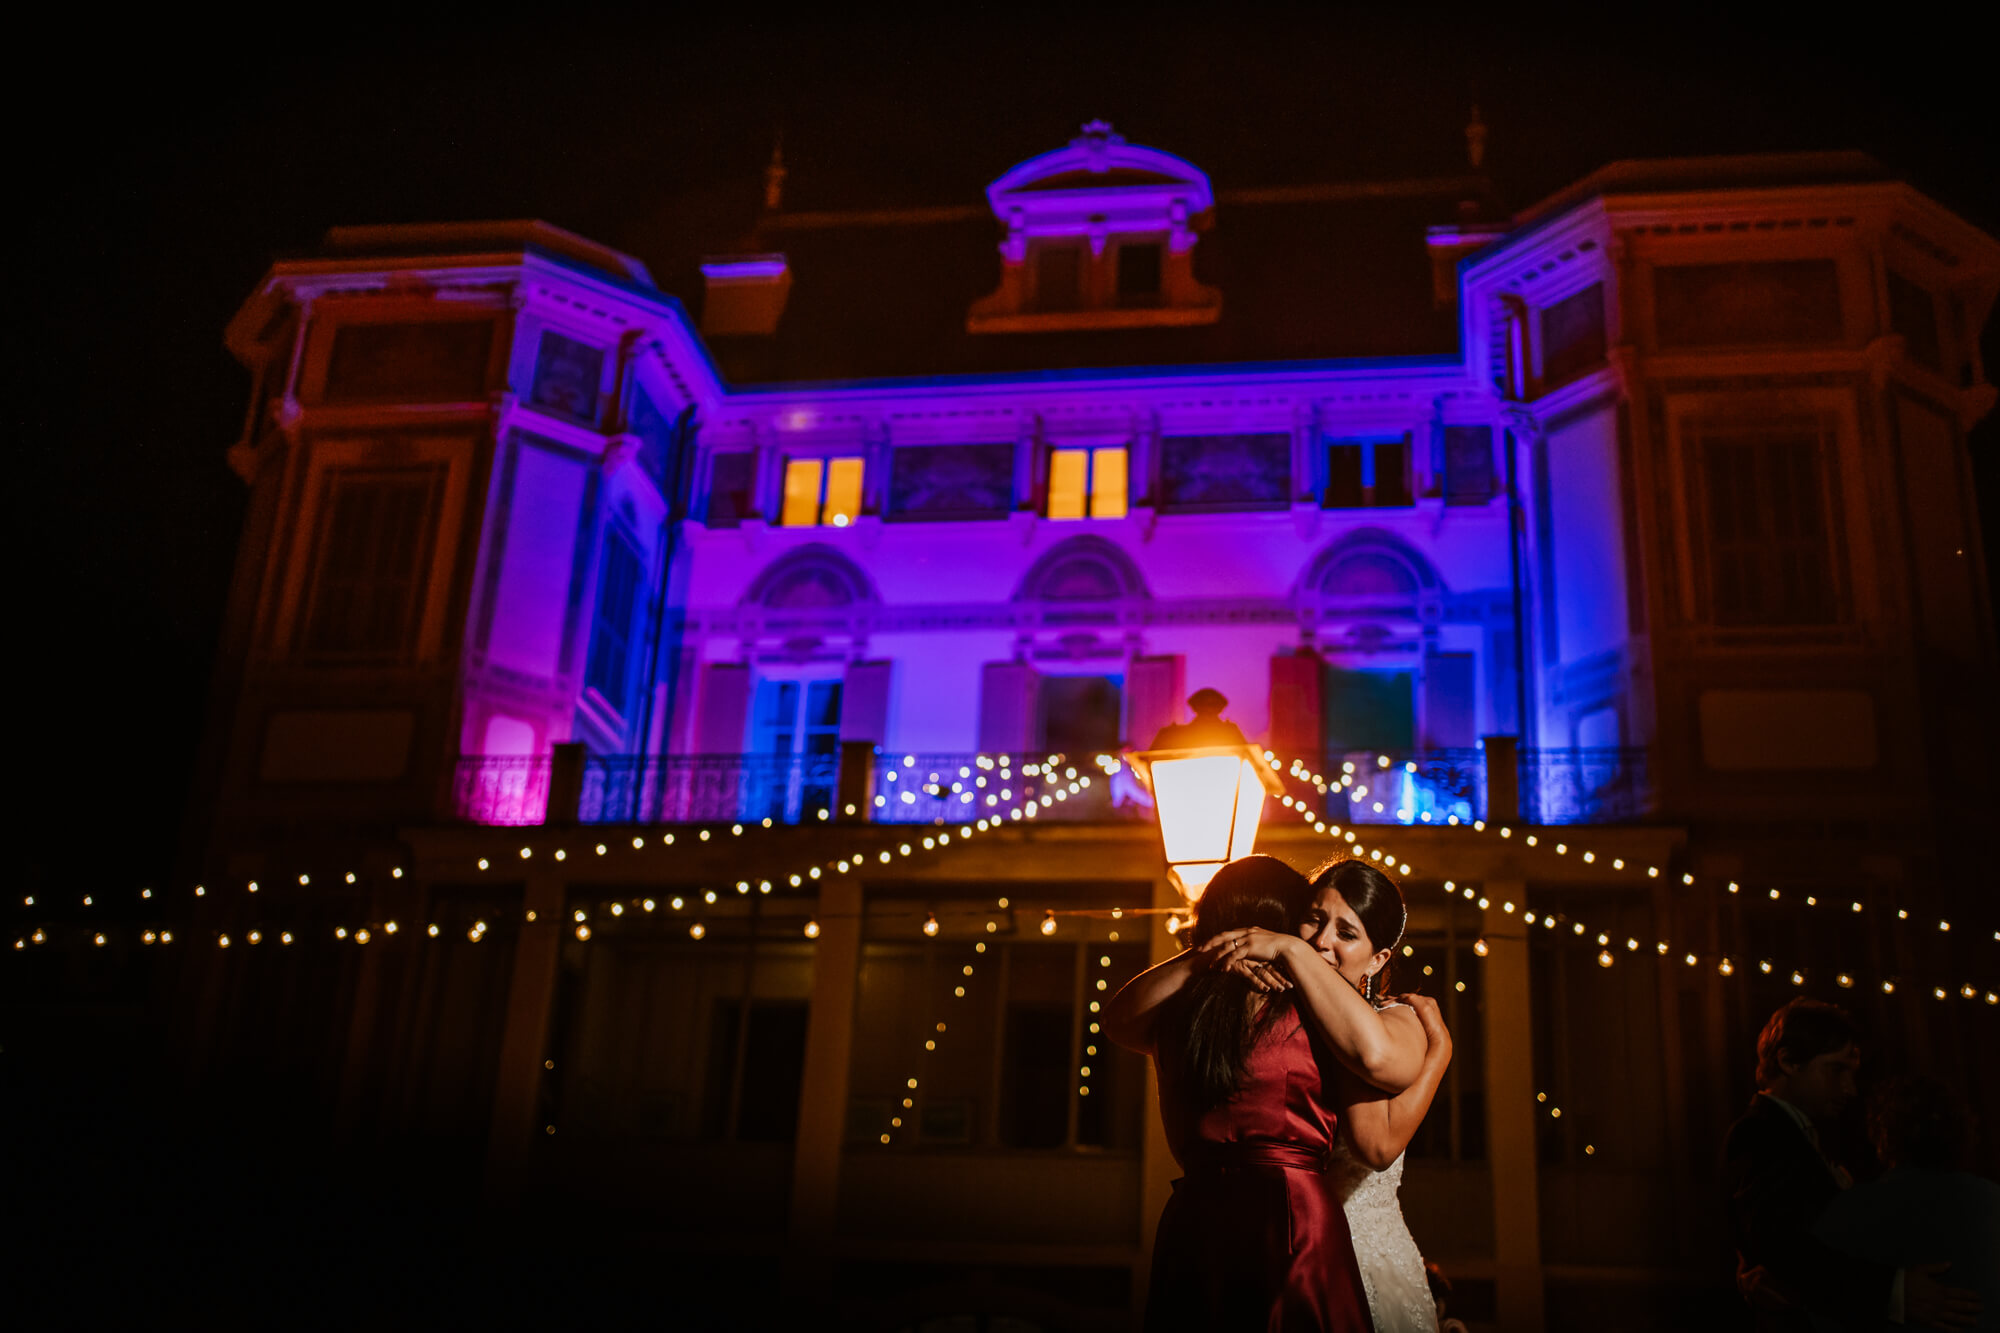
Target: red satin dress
<point x="1254" y="1238"/>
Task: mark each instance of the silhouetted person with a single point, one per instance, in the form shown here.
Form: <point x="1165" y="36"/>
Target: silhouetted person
<point x="1927" y="1207"/>
<point x="1780" y="1182"/>
<point x="1206" y="729"/>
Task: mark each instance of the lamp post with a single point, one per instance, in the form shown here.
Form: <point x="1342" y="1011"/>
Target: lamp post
<point x="1208" y="786"/>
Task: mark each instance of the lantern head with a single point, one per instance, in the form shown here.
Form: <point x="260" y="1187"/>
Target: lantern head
<point x="1208" y="786"/>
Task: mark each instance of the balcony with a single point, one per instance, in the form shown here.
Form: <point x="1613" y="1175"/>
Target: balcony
<point x="1557" y="786"/>
<point x="794" y="789"/>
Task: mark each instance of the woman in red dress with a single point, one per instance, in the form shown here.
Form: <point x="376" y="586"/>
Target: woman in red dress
<point x="1254" y="1237"/>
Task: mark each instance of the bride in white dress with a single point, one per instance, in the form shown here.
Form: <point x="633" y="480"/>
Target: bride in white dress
<point x="1354" y="906"/>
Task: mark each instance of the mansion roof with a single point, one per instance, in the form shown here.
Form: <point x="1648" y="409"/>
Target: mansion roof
<point x="1304" y="275"/>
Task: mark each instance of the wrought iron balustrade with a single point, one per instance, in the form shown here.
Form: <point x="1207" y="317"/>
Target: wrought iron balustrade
<point x="1557" y="786"/>
<point x="1585" y="785"/>
<point x="698" y="788"/>
<point x="961" y="788"/>
<point x="501" y="789"/>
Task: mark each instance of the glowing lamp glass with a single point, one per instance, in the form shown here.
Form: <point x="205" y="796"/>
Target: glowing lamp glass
<point x="1209" y="806"/>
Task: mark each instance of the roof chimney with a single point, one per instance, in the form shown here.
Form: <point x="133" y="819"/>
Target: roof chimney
<point x="774" y="177"/>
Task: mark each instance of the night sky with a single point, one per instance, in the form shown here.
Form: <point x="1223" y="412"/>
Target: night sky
<point x="160" y="172"/>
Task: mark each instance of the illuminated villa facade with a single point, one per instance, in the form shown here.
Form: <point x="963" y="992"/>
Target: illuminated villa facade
<point x="1641" y="520"/>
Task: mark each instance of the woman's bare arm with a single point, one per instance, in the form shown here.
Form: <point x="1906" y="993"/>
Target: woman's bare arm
<point x="1385" y="1048"/>
<point x="1129" y="1018"/>
<point x="1380" y="1126"/>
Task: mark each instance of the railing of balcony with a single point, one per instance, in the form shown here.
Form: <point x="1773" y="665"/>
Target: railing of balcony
<point x="1598" y="785"/>
<point x="500" y="789"/>
<point x="699" y="788"/>
<point x="960" y="788"/>
<point x="1557" y="786"/>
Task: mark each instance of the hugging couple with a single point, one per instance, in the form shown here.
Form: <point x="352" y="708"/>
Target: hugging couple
<point x="1290" y="1083"/>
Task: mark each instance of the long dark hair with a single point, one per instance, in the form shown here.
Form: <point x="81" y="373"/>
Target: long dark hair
<point x="1207" y="1020"/>
<point x="1376" y="901"/>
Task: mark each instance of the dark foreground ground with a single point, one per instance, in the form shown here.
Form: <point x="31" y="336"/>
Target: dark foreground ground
<point x="131" y="1201"/>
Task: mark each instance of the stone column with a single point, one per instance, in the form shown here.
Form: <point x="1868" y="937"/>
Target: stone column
<point x="530" y="997"/>
<point x="1510" y="1111"/>
<point x="822" y="1128"/>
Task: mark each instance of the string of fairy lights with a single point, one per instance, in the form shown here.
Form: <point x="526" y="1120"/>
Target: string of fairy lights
<point x="1607" y="945"/>
<point x="987" y="782"/>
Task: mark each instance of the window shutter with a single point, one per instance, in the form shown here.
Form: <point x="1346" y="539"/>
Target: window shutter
<point x="723" y="707"/>
<point x="1468" y="465"/>
<point x="1008" y="697"/>
<point x="864" y="713"/>
<point x="1154" y="691"/>
<point x="1448" y="701"/>
<point x="1295" y="715"/>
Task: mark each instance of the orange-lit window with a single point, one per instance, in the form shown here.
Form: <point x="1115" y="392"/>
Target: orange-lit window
<point x="843" y="492"/>
<point x="1087" y="483"/>
<point x="1107" y="483"/>
<point x="821" y="491"/>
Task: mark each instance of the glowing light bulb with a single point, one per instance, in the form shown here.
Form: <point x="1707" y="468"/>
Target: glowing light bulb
<point x="1479" y="947"/>
<point x="930" y="923"/>
<point x="697" y="930"/>
<point x="1049" y="922"/>
<point x="1604" y="958"/>
<point x="812" y="930"/>
<point x="482" y="863"/>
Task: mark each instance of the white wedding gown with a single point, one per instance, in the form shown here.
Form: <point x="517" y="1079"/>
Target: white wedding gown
<point x="1392" y="1268"/>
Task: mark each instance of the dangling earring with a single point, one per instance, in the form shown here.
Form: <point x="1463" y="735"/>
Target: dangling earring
<point x="1368" y="987"/>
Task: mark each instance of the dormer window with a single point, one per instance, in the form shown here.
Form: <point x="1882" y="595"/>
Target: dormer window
<point x="1099" y="235"/>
